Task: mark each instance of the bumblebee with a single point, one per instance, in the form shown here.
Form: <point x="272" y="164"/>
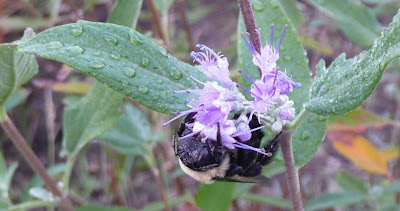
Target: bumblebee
<point x="210" y="160"/>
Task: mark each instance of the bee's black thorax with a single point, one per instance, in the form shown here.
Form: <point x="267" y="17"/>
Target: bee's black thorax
<point x="202" y="155"/>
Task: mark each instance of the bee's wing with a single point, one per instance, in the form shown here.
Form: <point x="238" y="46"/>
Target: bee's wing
<point x="236" y="178"/>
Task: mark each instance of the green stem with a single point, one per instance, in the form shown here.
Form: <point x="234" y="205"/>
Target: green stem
<point x="68" y="171"/>
<point x="298" y="120"/>
<point x="31" y="205"/>
<point x="32" y="159"/>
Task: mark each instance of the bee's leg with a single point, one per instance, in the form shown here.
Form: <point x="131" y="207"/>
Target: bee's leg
<point x="233" y="170"/>
<point x="254" y="170"/>
<point x="271" y="148"/>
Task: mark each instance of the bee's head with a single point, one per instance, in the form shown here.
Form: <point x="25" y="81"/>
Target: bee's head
<point x="198" y="155"/>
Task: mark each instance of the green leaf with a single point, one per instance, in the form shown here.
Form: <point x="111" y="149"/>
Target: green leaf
<point x="90" y="117"/>
<point x="308" y="137"/>
<point x="292" y="11"/>
<point x="16" y="98"/>
<point x="350" y="183"/>
<point x="173" y="202"/>
<point x="16" y="69"/>
<point x="347" y="83"/>
<point x="91" y="207"/>
<point x="356" y="20"/>
<point x="140" y="69"/>
<point x="265" y="199"/>
<point x="36" y="181"/>
<point x="6" y="175"/>
<point x="131" y="133"/>
<point x="217" y="196"/>
<point x="125" y="13"/>
<point x="331" y="200"/>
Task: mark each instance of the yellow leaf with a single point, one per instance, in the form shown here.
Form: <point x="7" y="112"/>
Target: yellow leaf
<point x="361" y="152"/>
<point x="390" y="154"/>
<point x="72" y="88"/>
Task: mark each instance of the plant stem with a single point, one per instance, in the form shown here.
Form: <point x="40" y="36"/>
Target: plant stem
<point x="292" y="176"/>
<point x="31" y="205"/>
<point x="182" y="11"/>
<point x="152" y="162"/>
<point x="33" y="160"/>
<point x="68" y="171"/>
<point x="250" y="23"/>
<point x="50" y="116"/>
<point x="298" y="120"/>
<point x="157" y="24"/>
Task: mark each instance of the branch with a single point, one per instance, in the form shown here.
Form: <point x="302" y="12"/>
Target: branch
<point x="292" y="177"/>
<point x="250" y="23"/>
<point x="157" y="24"/>
<point x="33" y="160"/>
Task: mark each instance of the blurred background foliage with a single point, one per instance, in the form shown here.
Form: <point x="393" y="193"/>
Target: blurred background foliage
<point x="132" y="164"/>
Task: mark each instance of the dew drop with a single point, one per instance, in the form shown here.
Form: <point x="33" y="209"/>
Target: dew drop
<point x="159" y="81"/>
<point x="322" y="118"/>
<point x="115" y="55"/>
<point x="163" y="94"/>
<point x="134" y="39"/>
<point x="76" y="30"/>
<point x="111" y="39"/>
<point x="97" y="53"/>
<point x="54" y="45"/>
<point x="258" y="6"/>
<point x="75" y="50"/>
<point x="143" y="89"/>
<point x="305" y="135"/>
<point x="274" y="4"/>
<point x="96" y="65"/>
<point x="288" y="58"/>
<point x="176" y="74"/>
<point x="130" y="72"/>
<point x="145" y="62"/>
<point x="282" y="48"/>
<point x="125" y="84"/>
<point x="163" y="52"/>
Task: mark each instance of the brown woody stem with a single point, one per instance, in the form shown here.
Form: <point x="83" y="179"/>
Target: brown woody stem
<point x="292" y="176"/>
<point x="33" y="160"/>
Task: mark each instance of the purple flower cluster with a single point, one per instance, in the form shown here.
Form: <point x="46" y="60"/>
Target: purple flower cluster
<point x="220" y="100"/>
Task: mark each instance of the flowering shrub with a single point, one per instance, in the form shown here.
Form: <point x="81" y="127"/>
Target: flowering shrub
<point x="219" y="102"/>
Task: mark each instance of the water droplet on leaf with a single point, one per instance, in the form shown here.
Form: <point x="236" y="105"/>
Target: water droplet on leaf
<point x="54" y="45"/>
<point x="305" y="135"/>
<point x="163" y="94"/>
<point x="258" y="6"/>
<point x="176" y="74"/>
<point x="115" y="55"/>
<point x="130" y="72"/>
<point x="288" y="58"/>
<point x="145" y="62"/>
<point x="322" y="118"/>
<point x="76" y="30"/>
<point x="111" y="39"/>
<point x="96" y="65"/>
<point x="163" y="52"/>
<point x="274" y="4"/>
<point x="159" y="81"/>
<point x="134" y="39"/>
<point x="143" y="89"/>
<point x="75" y="50"/>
